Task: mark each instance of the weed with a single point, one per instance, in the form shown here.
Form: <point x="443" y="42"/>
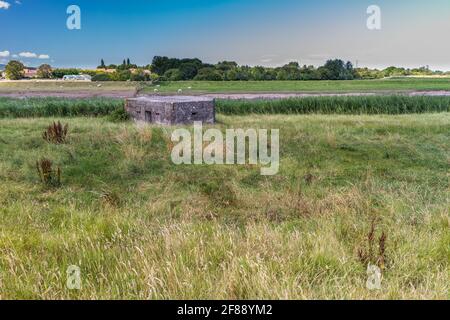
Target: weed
<point x="56" y="133"/>
<point x="369" y="255"/>
<point x="47" y="174"/>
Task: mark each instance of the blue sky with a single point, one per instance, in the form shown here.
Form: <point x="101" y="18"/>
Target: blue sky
<point x="254" y="32"/>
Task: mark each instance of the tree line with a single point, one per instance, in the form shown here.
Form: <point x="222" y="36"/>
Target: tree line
<point x="173" y="69"/>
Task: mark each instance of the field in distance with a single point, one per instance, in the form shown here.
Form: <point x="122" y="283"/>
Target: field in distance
<point x="67" y="88"/>
<point x="123" y="89"/>
<point x="387" y="85"/>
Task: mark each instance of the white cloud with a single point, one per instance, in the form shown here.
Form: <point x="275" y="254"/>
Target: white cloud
<point x="15" y="56"/>
<point x="44" y="56"/>
<point x="28" y="55"/>
<point x="4" y="54"/>
<point x="4" y="5"/>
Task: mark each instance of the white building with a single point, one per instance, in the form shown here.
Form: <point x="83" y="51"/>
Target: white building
<point x="81" y="77"/>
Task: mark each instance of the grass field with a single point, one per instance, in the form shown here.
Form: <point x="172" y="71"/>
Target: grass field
<point x="199" y="87"/>
<point x="140" y="227"/>
<point x="399" y="85"/>
<point x="63" y="86"/>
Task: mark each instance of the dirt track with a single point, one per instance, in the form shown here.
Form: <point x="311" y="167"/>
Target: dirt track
<point x="230" y="96"/>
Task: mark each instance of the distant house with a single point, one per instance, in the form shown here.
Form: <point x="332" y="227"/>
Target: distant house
<point x="106" y="70"/>
<point x="30" y="72"/>
<point x="81" y="77"/>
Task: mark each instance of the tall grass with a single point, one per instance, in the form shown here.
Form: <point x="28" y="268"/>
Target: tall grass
<point x="140" y="227"/>
<point x="57" y="107"/>
<point x="60" y="107"/>
<point x="395" y="104"/>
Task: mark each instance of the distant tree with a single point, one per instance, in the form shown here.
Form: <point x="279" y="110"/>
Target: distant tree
<point x="123" y="75"/>
<point x="226" y="65"/>
<point x="238" y="74"/>
<point x="394" y="71"/>
<point x="282" y="74"/>
<point x="161" y="65"/>
<point x="128" y="62"/>
<point x="14" y="70"/>
<point x="140" y="75"/>
<point x="101" y="77"/>
<point x="102" y="65"/>
<point x="309" y="73"/>
<point x="173" y="75"/>
<point x="208" y="74"/>
<point x="189" y="70"/>
<point x="44" y="71"/>
<point x="337" y="70"/>
<point x="290" y="71"/>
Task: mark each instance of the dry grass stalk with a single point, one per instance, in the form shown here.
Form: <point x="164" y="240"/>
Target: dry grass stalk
<point x="47" y="175"/>
<point x="56" y="133"/>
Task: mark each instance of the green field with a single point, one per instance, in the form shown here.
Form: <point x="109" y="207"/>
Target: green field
<point x="199" y="87"/>
<point x="64" y="86"/>
<point x="140" y="227"/>
<point x="400" y="85"/>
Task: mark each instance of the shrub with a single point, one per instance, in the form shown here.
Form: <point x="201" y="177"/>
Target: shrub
<point x="101" y="77"/>
<point x="119" y="115"/>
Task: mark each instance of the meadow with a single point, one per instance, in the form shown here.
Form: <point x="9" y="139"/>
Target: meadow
<point x="352" y="190"/>
<point x="384" y="85"/>
<point x="399" y="85"/>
